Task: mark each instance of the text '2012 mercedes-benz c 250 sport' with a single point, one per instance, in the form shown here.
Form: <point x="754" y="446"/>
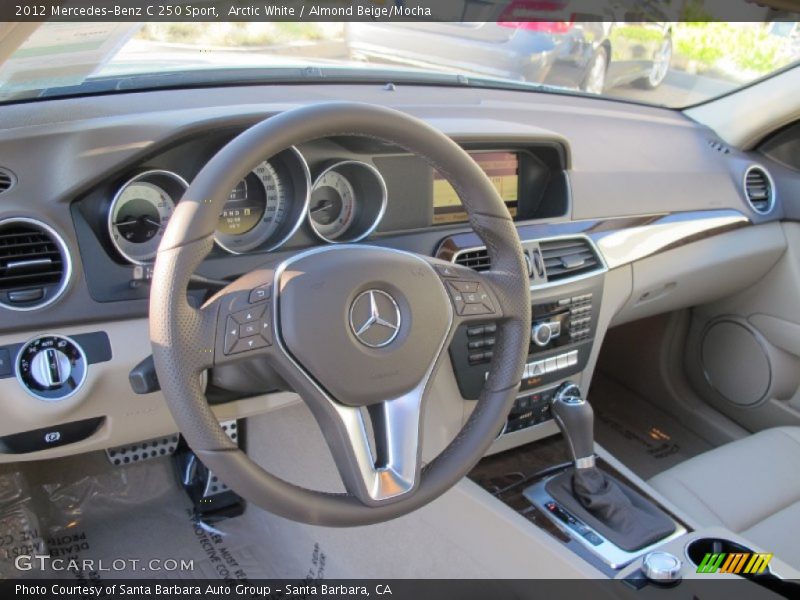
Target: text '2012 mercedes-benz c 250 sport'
<point x="454" y="299"/>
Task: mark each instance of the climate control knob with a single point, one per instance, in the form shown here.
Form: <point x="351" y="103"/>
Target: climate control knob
<point x="541" y="334"/>
<point x="51" y="367"/>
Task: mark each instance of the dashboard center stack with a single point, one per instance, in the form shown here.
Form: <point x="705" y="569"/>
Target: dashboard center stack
<point x="564" y="321"/>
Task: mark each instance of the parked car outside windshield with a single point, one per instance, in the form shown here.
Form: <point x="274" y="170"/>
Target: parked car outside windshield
<point x="674" y="64"/>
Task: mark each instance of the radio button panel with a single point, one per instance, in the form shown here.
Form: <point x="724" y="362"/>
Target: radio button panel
<point x="562" y="335"/>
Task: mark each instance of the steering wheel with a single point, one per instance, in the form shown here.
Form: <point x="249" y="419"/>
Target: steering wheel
<point x="347" y="326"/>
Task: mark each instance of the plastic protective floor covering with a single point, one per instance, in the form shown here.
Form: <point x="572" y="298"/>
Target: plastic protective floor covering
<point x="135" y="518"/>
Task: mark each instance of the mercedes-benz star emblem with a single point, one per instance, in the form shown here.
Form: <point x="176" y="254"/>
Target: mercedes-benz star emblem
<point x="375" y="318"/>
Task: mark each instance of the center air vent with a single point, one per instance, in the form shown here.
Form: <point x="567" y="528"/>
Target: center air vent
<point x="759" y="190"/>
<point x="474" y="259"/>
<point x="34" y="264"/>
<point x="569" y="257"/>
<point x="563" y="258"/>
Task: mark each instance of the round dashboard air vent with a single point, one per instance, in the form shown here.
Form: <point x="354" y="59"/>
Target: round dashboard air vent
<point x="759" y="189"/>
<point x="35" y="265"/>
<point x="7" y="180"/>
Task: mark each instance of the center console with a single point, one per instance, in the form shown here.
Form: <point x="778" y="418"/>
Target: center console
<point x="565" y="485"/>
<point x="564" y="322"/>
<point x="604" y="518"/>
<point x="519" y="478"/>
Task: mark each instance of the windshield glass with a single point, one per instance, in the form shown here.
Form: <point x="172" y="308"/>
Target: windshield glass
<point x="674" y="64"/>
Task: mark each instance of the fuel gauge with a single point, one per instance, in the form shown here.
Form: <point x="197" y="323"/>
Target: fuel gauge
<point x="140" y="212"/>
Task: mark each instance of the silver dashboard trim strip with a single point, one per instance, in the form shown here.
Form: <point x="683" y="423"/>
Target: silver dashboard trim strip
<point x="623" y="246"/>
<point x="618" y="247"/>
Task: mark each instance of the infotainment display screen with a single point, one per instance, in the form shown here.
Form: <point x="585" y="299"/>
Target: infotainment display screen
<point x="501" y="167"/>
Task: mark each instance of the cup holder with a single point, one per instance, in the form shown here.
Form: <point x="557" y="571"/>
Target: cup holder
<point x="698" y="549"/>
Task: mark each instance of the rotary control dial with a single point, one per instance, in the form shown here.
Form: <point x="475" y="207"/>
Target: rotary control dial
<point x="542" y="334"/>
<point x="51" y="367"/>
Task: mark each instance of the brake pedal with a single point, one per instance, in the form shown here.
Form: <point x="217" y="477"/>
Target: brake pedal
<point x="213" y="500"/>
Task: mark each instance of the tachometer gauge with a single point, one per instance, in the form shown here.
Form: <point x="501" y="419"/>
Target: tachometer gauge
<point x="332" y="206"/>
<point x="140" y="212"/>
<point x="347" y="201"/>
<point x="266" y="207"/>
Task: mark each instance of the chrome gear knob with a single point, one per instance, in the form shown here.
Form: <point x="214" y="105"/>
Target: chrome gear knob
<point x="575" y="418"/>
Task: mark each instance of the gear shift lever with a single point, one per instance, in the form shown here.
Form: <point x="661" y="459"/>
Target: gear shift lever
<point x="622" y="515"/>
<point x="575" y="418"/>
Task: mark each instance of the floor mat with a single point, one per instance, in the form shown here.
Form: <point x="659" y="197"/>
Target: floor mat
<point x="643" y="437"/>
<point x="83" y="508"/>
<point x="132" y="522"/>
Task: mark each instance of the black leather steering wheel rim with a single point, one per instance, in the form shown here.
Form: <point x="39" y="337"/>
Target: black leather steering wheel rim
<point x="180" y="334"/>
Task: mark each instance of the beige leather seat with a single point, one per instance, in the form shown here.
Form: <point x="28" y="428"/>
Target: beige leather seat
<point x="751" y="486"/>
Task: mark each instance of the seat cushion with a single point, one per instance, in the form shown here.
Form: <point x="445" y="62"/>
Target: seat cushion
<point x="751" y="486"/>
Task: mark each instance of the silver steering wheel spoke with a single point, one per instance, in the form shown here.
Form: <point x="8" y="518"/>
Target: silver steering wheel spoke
<point x="389" y="467"/>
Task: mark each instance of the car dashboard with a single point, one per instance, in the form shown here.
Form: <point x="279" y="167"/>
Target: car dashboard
<point x="621" y="209"/>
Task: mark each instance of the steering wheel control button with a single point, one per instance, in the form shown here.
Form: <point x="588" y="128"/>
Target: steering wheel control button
<point x="248" y="329"/>
<point x="261" y="293"/>
<point x="249" y="314"/>
<point x="466" y="287"/>
<point x="662" y="568"/>
<point x="447" y="271"/>
<point x="231" y="335"/>
<point x="470" y="298"/>
<point x="51" y="367"/>
<point x="251" y="343"/>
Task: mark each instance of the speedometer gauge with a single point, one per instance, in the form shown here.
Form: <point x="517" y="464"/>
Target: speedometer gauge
<point x="266" y="207"/>
<point x="140" y="212"/>
<point x="347" y="201"/>
<point x="246" y="209"/>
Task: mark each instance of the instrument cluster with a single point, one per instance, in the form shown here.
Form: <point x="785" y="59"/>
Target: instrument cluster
<point x="344" y="203"/>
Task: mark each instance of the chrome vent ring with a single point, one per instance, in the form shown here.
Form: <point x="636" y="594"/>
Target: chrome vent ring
<point x="35" y="264"/>
<point x="759" y="189"/>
